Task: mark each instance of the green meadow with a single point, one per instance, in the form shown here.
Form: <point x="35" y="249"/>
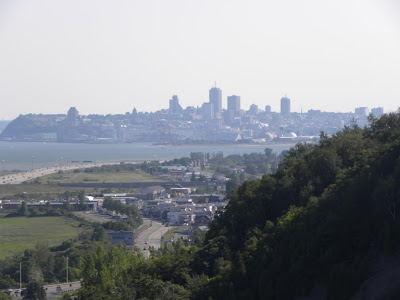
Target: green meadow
<point x="20" y="233"/>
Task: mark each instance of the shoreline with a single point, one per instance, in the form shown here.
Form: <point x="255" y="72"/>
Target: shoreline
<point x="149" y="143"/>
<point x="229" y="144"/>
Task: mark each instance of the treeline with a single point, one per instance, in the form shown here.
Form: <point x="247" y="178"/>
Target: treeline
<point x="45" y="264"/>
<point x="322" y="217"/>
<point x="326" y="213"/>
<point x="134" y="220"/>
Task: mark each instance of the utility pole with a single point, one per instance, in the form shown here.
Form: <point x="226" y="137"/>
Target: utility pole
<point x="133" y="240"/>
<point x="20" y="275"/>
<point x="67" y="269"/>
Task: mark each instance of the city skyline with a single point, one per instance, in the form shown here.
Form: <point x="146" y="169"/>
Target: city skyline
<point x="106" y="58"/>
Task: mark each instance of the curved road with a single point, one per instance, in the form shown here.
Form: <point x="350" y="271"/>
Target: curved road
<point x="151" y="237"/>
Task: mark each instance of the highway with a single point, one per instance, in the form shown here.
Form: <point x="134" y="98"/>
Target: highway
<point x="151" y="237"/>
<point x="20" y="177"/>
<point x="51" y="290"/>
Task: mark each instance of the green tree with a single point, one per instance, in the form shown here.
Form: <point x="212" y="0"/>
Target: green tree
<point x="23" y="210"/>
<point x="35" y="290"/>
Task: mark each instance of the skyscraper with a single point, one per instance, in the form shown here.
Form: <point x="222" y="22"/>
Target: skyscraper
<point x="362" y="111"/>
<point x="285" y="106"/>
<point x="377" y="112"/>
<point x="207" y="111"/>
<point x="268" y="109"/>
<point x="215" y="96"/>
<point x="234" y="103"/>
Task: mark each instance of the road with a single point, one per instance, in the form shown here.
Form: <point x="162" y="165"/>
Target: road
<point x="151" y="237"/>
<point x="20" y="177"/>
<point x="51" y="290"/>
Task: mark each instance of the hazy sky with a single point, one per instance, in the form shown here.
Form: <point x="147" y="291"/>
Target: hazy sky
<point x="110" y="56"/>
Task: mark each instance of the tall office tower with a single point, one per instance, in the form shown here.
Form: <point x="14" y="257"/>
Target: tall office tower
<point x="174" y="106"/>
<point x="207" y="111"/>
<point x="285" y="106"/>
<point x="377" y="112"/>
<point x="361" y="111"/>
<point x="215" y="96"/>
<point x="268" y="109"/>
<point x="234" y="103"/>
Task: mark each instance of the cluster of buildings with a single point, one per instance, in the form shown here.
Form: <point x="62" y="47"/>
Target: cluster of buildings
<point x="208" y="122"/>
<point x="175" y="205"/>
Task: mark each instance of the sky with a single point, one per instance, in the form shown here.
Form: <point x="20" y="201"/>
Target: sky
<point x="107" y="57"/>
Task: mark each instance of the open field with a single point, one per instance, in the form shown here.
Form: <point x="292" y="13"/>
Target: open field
<point x="12" y="189"/>
<point x="100" y="177"/>
<point x="20" y="233"/>
<point x="174" y="230"/>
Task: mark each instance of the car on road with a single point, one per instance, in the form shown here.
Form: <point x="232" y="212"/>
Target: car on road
<point x="59" y="289"/>
<point x="144" y="248"/>
<point x="8" y="291"/>
<point x="146" y="242"/>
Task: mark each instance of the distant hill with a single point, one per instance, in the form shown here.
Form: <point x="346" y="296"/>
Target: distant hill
<point x="3" y="124"/>
<point x="30" y="127"/>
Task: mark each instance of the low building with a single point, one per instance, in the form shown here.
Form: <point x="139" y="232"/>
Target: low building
<point x="180" y="217"/>
<point x="154" y="192"/>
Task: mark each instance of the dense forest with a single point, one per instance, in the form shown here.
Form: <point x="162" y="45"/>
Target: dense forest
<point x="324" y="218"/>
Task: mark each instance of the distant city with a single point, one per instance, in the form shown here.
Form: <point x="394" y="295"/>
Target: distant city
<point x="204" y="124"/>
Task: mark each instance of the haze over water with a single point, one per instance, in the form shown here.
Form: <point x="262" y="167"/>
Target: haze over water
<point x="24" y="155"/>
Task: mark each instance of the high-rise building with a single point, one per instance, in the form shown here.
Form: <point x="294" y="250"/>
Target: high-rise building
<point x="174" y="106"/>
<point x="234" y="103"/>
<point x="254" y="108"/>
<point x="377" y="112"/>
<point x="285" y="106"/>
<point x="215" y="97"/>
<point x="207" y="111"/>
<point x="361" y="111"/>
<point x="268" y="109"/>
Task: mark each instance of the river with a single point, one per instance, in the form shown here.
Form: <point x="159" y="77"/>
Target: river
<point x="33" y="155"/>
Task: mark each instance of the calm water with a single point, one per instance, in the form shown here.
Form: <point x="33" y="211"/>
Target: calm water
<point x="24" y="156"/>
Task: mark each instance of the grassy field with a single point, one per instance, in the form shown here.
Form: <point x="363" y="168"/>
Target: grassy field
<point x="20" y="233"/>
<point x="12" y="189"/>
<point x="71" y="177"/>
<point x="171" y="233"/>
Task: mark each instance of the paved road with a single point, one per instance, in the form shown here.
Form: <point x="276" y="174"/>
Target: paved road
<point x="151" y="237"/>
<point x="51" y="290"/>
<point x="20" y="177"/>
